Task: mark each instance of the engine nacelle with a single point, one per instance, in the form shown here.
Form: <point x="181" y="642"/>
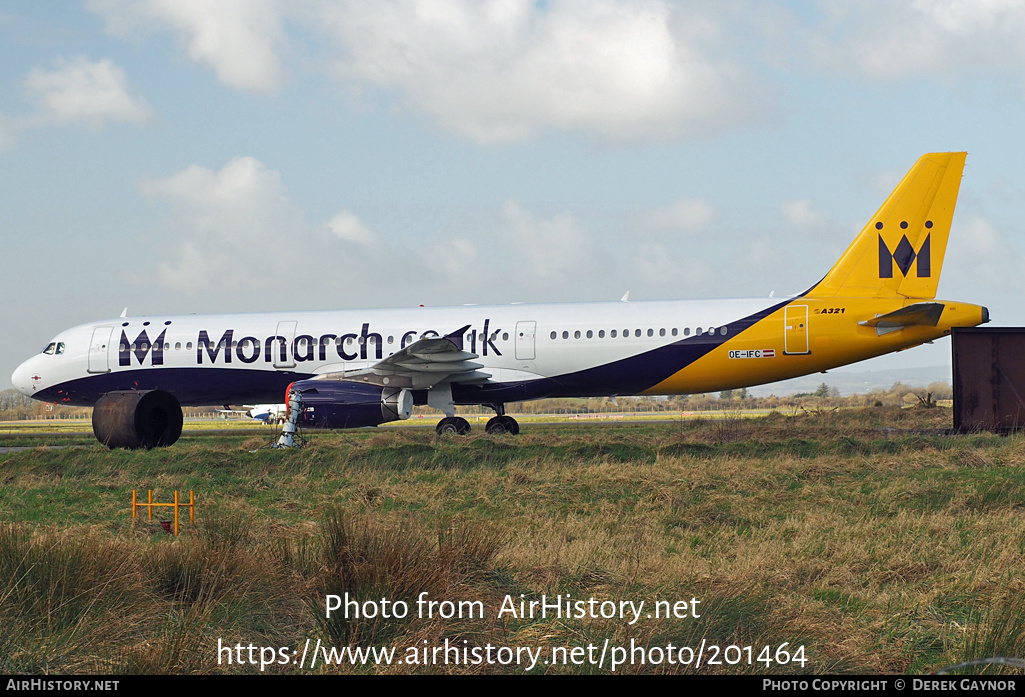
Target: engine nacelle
<point x="338" y="404"/>
<point x="132" y="419"/>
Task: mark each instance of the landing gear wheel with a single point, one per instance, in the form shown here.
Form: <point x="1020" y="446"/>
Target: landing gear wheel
<point x="453" y="424"/>
<point x="502" y="424"/>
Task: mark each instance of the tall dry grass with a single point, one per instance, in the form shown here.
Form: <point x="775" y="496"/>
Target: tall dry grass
<point x="869" y="537"/>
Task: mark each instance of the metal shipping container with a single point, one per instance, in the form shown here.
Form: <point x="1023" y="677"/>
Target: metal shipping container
<point x="989" y="378"/>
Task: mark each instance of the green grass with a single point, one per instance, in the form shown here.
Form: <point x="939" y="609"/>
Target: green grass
<point x="868" y="537"/>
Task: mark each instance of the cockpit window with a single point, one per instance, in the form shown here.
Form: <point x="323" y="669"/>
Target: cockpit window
<point x="55" y="347"/>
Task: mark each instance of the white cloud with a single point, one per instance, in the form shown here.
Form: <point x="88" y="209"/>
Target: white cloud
<point x="981" y="239"/>
<point x="882" y="183"/>
<point x="978" y="253"/>
<point x="623" y="70"/>
<point x="498" y="70"/>
<point x="234" y="231"/>
<point x="660" y="268"/>
<point x="936" y="38"/>
<point x="510" y="69"/>
<point x="978" y="244"/>
<point x="550" y="251"/>
<point x="764" y="255"/>
<point x="234" y="226"/>
<point x="799" y="213"/>
<point x="456" y="261"/>
<point x="688" y="214"/>
<point x="346" y="226"/>
<point x="239" y="39"/>
<point x="243" y="199"/>
<point x="79" y="90"/>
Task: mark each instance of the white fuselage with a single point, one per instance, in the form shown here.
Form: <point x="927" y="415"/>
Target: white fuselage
<point x="221" y="359"/>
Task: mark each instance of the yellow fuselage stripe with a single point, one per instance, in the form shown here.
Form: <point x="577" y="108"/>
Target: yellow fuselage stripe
<point x="806" y="336"/>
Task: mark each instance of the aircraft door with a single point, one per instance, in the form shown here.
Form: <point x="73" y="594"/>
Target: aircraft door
<point x="99" y="350"/>
<point x="525" y="332"/>
<point x="795" y="333"/>
<point x="285" y="330"/>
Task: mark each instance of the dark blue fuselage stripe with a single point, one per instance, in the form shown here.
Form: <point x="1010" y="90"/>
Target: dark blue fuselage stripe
<point x="191" y="386"/>
<point x="638" y="373"/>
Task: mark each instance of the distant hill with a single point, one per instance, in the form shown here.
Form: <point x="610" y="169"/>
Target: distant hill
<point x="855" y="382"/>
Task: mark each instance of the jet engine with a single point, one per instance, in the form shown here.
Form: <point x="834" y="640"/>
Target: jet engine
<point x="337" y="404"/>
<point x="137" y="419"/>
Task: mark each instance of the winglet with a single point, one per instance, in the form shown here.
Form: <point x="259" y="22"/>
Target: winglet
<point x="457" y="337"/>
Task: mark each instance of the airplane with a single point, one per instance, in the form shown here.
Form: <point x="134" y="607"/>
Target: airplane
<point x="267" y="413"/>
<point x="355" y="368"/>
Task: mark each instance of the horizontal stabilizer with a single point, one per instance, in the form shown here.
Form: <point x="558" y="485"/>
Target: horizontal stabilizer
<point x="919" y="314"/>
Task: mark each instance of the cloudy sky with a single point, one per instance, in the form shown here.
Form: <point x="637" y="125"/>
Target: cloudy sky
<point x="178" y="156"/>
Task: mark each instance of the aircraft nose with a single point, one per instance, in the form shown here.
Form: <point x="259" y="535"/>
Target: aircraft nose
<point x="22" y="379"/>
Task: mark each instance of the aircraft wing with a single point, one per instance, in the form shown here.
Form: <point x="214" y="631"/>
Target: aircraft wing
<point x="421" y="365"/>
<point x="923" y="314"/>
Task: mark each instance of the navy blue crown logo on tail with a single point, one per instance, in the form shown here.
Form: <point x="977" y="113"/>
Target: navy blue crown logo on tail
<point x="905" y="256"/>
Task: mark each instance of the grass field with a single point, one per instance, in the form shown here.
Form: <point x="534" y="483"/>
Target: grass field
<point x="864" y="536"/>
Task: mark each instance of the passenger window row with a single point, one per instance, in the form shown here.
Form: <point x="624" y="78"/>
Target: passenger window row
<point x="626" y="333"/>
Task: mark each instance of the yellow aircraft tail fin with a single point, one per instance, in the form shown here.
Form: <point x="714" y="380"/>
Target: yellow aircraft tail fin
<point x="899" y="253"/>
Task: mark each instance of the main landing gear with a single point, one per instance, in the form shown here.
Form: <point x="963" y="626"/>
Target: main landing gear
<point x="499" y="425"/>
<point x="453" y="424"/>
<point x="502" y="424"/>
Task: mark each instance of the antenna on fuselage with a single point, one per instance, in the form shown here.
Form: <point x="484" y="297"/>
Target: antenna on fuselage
<point x="625" y="298"/>
<point x="124" y="312"/>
